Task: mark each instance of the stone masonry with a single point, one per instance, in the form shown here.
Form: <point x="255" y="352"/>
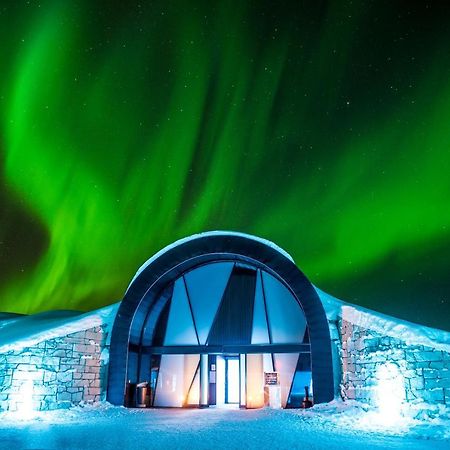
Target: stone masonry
<point x="68" y="369"/>
<point x="62" y="371"/>
<point x="425" y="371"/>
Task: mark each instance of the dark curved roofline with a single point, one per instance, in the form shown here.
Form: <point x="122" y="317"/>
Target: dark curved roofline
<point x="171" y="262"/>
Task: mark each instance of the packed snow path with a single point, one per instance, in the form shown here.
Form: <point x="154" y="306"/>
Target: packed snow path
<point x="109" y="427"/>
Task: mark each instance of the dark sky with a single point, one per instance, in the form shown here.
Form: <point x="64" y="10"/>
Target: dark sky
<point x="323" y="126"/>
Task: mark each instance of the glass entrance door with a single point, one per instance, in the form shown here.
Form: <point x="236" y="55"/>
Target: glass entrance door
<point x="232" y="379"/>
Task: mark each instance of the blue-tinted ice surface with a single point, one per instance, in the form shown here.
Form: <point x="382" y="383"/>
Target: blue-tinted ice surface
<point x="332" y="426"/>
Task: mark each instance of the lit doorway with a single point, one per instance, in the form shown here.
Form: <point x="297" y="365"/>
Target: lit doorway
<point x="232" y="380"/>
<point x="227" y="378"/>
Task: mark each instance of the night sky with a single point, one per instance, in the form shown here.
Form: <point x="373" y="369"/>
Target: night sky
<point x="324" y="127"/>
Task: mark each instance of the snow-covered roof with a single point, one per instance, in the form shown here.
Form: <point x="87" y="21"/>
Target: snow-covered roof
<point x="411" y="333"/>
<point x="18" y="332"/>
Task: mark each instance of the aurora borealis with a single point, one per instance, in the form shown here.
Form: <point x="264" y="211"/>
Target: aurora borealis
<point x="321" y="126"/>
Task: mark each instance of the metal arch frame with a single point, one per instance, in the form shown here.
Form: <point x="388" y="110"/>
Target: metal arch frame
<point x="143" y="292"/>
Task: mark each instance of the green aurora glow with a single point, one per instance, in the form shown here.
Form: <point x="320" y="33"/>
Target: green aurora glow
<point x="322" y="127"/>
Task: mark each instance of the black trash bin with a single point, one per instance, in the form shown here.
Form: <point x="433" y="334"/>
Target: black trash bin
<point x="130" y="392"/>
<point x="142" y="395"/>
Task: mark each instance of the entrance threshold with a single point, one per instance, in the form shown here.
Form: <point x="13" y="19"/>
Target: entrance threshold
<point x="225" y="406"/>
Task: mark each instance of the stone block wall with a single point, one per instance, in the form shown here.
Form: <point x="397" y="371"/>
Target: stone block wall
<point x="372" y="357"/>
<point x="370" y="360"/>
<point x="56" y="373"/>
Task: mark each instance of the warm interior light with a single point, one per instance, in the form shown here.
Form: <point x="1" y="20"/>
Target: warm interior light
<point x="389" y="394"/>
<point x="233" y="378"/>
<point x="255" y="381"/>
<point x="25" y="405"/>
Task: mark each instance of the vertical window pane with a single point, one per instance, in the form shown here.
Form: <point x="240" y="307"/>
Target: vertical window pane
<point x="194" y="393"/>
<point x="220" y="380"/>
<point x="190" y="368"/>
<point x="255" y="381"/>
<point x="260" y="333"/>
<point x="233" y="380"/>
<point x="243" y="371"/>
<point x="175" y="376"/>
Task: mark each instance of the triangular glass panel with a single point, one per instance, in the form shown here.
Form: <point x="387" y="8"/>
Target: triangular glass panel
<point x="193" y="397"/>
<point x="285" y="365"/>
<point x="191" y="363"/>
<point x="206" y="286"/>
<point x="286" y="318"/>
<point x="306" y="336"/>
<point x="260" y="333"/>
<point x="302" y="379"/>
<point x="180" y="327"/>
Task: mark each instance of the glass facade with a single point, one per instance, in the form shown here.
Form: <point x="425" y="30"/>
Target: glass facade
<point x="175" y="383"/>
<point x="230" y="334"/>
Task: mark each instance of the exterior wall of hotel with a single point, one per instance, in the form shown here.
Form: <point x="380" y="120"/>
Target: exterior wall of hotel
<point x="58" y="372"/>
<point x="367" y="356"/>
<point x="375" y="365"/>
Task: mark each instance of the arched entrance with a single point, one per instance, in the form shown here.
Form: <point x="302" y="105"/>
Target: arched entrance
<point x="208" y="319"/>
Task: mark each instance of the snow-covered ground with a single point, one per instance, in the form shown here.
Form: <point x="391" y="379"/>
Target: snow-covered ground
<point x="331" y="426"/>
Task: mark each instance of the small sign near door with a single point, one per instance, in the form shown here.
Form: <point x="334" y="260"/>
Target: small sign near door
<point x="271" y="378"/>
